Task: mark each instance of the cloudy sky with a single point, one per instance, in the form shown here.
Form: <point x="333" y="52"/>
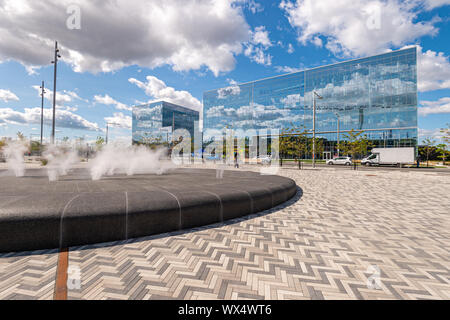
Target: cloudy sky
<point x="115" y="54"/>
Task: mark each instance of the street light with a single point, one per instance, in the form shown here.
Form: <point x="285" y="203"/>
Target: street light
<point x="42" y="110"/>
<point x="314" y="127"/>
<point x="107" y="129"/>
<point x="55" y="62"/>
<point x="338" y="134"/>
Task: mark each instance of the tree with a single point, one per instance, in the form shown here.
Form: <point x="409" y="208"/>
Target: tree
<point x="428" y="147"/>
<point x="20" y="136"/>
<point x="99" y="142"/>
<point x="35" y="147"/>
<point x="446" y="134"/>
<point x="355" y="143"/>
<point x="294" y="141"/>
<point x="442" y="149"/>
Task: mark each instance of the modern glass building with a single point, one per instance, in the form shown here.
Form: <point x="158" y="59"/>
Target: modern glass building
<point x="154" y="123"/>
<point x="377" y="95"/>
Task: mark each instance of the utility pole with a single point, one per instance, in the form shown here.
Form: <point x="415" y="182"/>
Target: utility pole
<point x="314" y="127"/>
<point x="42" y="110"/>
<point x="107" y="129"/>
<point x="55" y="62"/>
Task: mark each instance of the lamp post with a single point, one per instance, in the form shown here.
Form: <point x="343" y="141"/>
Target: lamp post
<point x="315" y="94"/>
<point x="42" y="110"/>
<point x="338" y="134"/>
<point x="55" y="62"/>
<point x="107" y="129"/>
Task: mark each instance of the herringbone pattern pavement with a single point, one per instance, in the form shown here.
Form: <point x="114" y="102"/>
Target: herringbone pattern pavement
<point x="28" y="276"/>
<point x="318" y="246"/>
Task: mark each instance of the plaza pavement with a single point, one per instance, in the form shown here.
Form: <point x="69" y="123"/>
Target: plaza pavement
<point x="329" y="242"/>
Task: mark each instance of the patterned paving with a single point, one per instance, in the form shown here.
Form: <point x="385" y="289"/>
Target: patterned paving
<point x="327" y="243"/>
<point x="28" y="276"/>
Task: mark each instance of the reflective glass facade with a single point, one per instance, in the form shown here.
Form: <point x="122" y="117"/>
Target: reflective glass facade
<point x="154" y="122"/>
<point x="377" y="95"/>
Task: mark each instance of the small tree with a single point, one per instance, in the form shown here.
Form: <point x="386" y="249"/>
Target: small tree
<point x="20" y="136"/>
<point x="99" y="142"/>
<point x="293" y="141"/>
<point x="355" y="143"/>
<point x="2" y="143"/>
<point x="428" y="147"/>
<point x="442" y="149"/>
<point x="446" y="134"/>
<point x="287" y="141"/>
<point x="302" y="143"/>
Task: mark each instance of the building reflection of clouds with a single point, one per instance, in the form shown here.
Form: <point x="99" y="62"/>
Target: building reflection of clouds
<point x="367" y="94"/>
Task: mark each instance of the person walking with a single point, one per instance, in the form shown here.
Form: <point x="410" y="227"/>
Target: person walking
<point x="236" y="162"/>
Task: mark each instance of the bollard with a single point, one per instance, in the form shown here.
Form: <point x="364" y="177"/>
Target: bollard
<point x="299" y="165"/>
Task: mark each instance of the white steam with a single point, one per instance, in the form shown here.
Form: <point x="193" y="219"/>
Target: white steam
<point x="115" y="159"/>
<point x="14" y="157"/>
<point x="59" y="161"/>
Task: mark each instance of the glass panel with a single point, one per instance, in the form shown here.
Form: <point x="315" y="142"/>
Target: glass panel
<point x="374" y="93"/>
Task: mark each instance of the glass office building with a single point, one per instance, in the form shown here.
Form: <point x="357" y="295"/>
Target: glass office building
<point x="154" y="123"/>
<point x="377" y="95"/>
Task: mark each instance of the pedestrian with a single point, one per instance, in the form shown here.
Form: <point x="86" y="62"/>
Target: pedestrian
<point x="236" y="162"/>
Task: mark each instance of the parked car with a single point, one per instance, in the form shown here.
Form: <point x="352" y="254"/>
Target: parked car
<point x="340" y="160"/>
<point x="265" y="159"/>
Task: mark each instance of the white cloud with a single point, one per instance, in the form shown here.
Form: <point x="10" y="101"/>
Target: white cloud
<point x="62" y="97"/>
<point x="158" y="90"/>
<point x="433" y="70"/>
<point x="7" y="96"/>
<point x="185" y="34"/>
<point x="256" y="47"/>
<point x="287" y="69"/>
<point x="290" y="48"/>
<point x="257" y="55"/>
<point x="120" y="120"/>
<point x="107" y="100"/>
<point x="251" y="5"/>
<point x="432" y="4"/>
<point x="64" y="118"/>
<point x="233" y="90"/>
<point x="433" y="134"/>
<point x="261" y="36"/>
<point x="317" y="42"/>
<point x="358" y="27"/>
<point x="435" y="107"/>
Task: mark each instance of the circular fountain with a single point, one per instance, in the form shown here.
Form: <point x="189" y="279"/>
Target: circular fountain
<point x="36" y="213"/>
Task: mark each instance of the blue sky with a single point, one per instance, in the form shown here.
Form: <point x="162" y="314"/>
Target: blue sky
<point x="130" y="52"/>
